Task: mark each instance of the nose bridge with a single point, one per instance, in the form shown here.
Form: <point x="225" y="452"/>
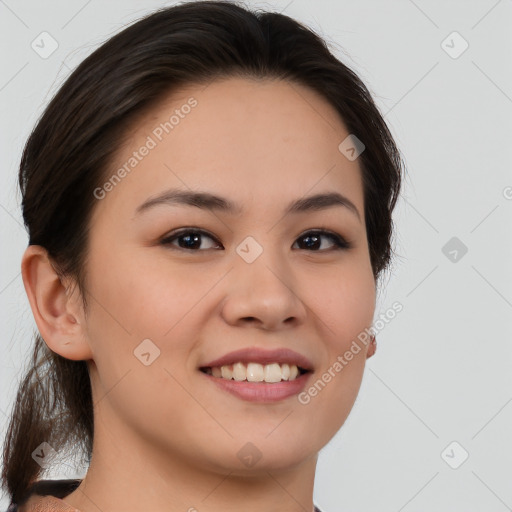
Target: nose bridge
<point x="262" y="283"/>
<point x="262" y="259"/>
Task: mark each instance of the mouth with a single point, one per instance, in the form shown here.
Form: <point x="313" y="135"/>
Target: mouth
<point x="258" y="375"/>
<point x="261" y="391"/>
<point x="255" y="372"/>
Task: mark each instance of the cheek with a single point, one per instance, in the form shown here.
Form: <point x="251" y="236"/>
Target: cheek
<point x="145" y="295"/>
<point x="148" y="298"/>
<point x="132" y="303"/>
<point x="345" y="303"/>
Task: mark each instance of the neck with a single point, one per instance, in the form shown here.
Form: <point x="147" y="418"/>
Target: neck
<point x="130" y="474"/>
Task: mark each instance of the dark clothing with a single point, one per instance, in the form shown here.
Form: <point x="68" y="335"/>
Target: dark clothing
<point x="57" y="488"/>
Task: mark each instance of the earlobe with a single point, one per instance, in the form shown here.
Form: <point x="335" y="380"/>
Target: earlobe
<point x="372" y="347"/>
<point x="58" y="316"/>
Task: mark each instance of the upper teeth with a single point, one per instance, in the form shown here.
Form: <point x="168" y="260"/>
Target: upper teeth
<point x="255" y="372"/>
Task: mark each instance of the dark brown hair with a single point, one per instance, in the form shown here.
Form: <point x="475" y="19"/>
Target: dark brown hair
<point x="68" y="153"/>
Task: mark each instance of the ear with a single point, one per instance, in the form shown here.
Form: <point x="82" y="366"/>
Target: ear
<point x="372" y="347"/>
<point x="59" y="316"/>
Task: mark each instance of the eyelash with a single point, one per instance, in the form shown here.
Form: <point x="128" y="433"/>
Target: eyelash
<point x="339" y="242"/>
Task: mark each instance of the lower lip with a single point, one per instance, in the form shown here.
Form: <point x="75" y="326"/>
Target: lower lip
<point x="261" y="391"/>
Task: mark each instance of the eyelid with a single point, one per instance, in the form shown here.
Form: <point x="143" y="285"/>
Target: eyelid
<point x="181" y="231"/>
<point x="340" y="242"/>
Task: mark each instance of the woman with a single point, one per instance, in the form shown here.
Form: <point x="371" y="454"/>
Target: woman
<point x="208" y="199"/>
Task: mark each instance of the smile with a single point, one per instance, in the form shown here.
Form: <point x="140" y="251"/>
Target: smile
<point x="256" y="372"/>
<point x="258" y="391"/>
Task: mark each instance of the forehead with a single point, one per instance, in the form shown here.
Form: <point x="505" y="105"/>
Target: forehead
<point x="241" y="138"/>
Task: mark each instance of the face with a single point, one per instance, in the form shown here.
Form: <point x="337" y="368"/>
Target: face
<point x="173" y="287"/>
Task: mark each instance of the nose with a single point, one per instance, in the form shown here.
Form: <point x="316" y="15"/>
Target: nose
<point x="262" y="294"/>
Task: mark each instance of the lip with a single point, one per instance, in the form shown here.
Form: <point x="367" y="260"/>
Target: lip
<point x="260" y="391"/>
<point x="258" y="355"/>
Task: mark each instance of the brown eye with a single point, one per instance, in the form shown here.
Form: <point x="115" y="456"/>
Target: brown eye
<point x="314" y="240"/>
<point x="188" y="239"/>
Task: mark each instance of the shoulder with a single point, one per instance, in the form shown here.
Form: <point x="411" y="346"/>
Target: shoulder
<point x="38" y="503"/>
<point x="46" y="496"/>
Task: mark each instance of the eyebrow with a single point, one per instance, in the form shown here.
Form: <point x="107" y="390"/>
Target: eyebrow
<point x="208" y="201"/>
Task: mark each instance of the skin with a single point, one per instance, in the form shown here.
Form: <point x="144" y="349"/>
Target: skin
<point x="165" y="437"/>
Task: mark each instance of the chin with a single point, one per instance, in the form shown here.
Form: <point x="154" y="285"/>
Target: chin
<point x="252" y="454"/>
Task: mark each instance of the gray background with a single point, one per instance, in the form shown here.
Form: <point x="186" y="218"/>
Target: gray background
<point x="442" y="371"/>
